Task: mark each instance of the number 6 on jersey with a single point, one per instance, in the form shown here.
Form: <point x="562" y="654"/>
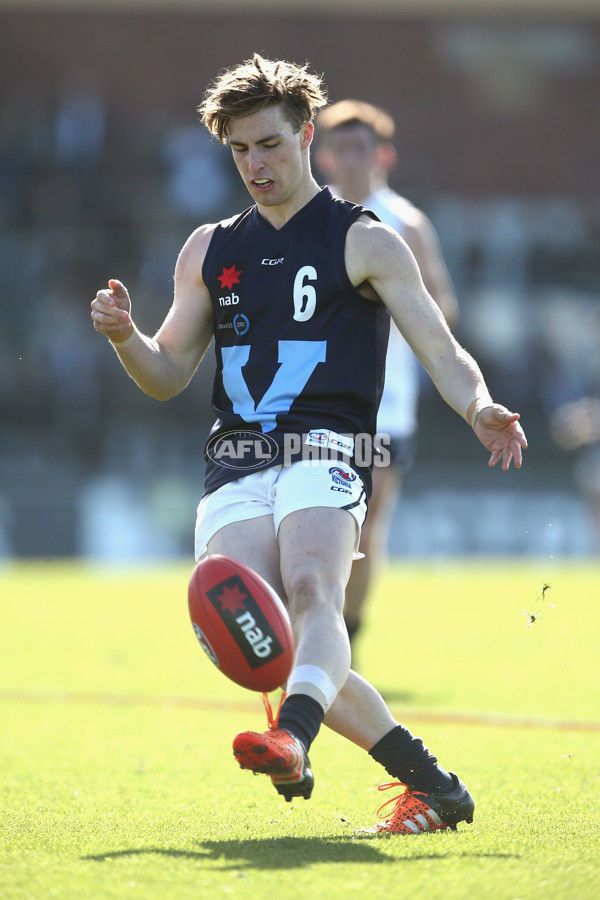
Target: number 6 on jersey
<point x="304" y="292"/>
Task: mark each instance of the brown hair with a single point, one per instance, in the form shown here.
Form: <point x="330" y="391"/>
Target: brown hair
<point x="256" y="83"/>
<point x="357" y="112"/>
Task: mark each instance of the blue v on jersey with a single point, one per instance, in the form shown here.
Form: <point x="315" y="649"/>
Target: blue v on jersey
<point x="300" y="353"/>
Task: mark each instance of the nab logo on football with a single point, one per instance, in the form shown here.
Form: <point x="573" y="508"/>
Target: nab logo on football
<point x="245" y="621"/>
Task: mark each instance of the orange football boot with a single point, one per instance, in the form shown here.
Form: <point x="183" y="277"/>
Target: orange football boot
<point x="415" y="812"/>
<point x="276" y="753"/>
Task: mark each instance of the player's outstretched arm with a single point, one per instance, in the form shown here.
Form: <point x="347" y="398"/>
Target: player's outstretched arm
<point x="162" y="366"/>
<point x="377" y="255"/>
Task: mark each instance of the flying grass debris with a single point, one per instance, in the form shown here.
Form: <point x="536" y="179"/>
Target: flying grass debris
<point x="535" y="615"/>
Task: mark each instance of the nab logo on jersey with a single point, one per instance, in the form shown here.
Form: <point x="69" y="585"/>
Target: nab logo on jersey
<point x="230" y="276"/>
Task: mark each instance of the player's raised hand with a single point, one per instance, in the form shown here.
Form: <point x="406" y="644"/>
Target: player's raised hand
<point x="500" y="432"/>
<point x="111" y="312"/>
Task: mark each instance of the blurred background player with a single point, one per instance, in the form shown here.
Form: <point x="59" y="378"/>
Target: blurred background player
<point x="356" y="154"/>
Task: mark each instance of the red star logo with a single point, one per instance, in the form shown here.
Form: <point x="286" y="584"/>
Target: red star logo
<point x="232" y="599"/>
<point x="229" y="277"/>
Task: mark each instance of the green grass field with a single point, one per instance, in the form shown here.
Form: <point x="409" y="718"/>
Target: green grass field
<point x="115" y="746"/>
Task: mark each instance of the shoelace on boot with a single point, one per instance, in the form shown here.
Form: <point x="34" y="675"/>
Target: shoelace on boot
<point x="400" y="800"/>
<point x="272" y="718"/>
<point x="409" y="805"/>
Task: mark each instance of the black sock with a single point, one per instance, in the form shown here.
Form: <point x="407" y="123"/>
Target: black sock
<point x="302" y="716"/>
<point x="406" y="758"/>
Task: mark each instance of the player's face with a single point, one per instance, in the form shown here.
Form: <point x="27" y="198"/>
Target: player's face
<point x="271" y="158"/>
<point x="350" y="159"/>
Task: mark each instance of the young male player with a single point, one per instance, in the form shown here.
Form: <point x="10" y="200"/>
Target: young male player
<point x="296" y="292"/>
<point x="356" y="153"/>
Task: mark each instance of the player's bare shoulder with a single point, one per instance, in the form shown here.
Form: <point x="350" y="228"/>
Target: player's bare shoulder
<point x="372" y="246"/>
<point x="192" y="255"/>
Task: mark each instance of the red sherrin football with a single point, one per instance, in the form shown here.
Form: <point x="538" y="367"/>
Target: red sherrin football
<point x="241" y="623"/>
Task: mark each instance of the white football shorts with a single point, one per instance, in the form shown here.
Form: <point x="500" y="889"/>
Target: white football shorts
<point x="279" y="491"/>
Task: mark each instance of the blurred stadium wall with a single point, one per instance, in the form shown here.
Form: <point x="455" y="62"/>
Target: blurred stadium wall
<point x="104" y="171"/>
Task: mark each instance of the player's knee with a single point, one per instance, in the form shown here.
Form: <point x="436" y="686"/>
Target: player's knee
<point x="304" y="589"/>
<point x="310" y="589"/>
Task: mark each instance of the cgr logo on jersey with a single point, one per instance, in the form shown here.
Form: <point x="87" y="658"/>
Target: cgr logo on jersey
<point x="245" y="621"/>
<point x="229" y="278"/>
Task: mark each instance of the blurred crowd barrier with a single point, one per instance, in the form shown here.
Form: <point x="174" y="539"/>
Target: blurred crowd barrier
<point x="89" y="466"/>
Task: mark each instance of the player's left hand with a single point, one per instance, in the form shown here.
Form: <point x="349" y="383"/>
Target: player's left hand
<point x="500" y="432"/>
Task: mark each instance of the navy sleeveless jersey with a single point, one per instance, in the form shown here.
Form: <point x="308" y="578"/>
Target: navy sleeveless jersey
<point x="300" y="353"/>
